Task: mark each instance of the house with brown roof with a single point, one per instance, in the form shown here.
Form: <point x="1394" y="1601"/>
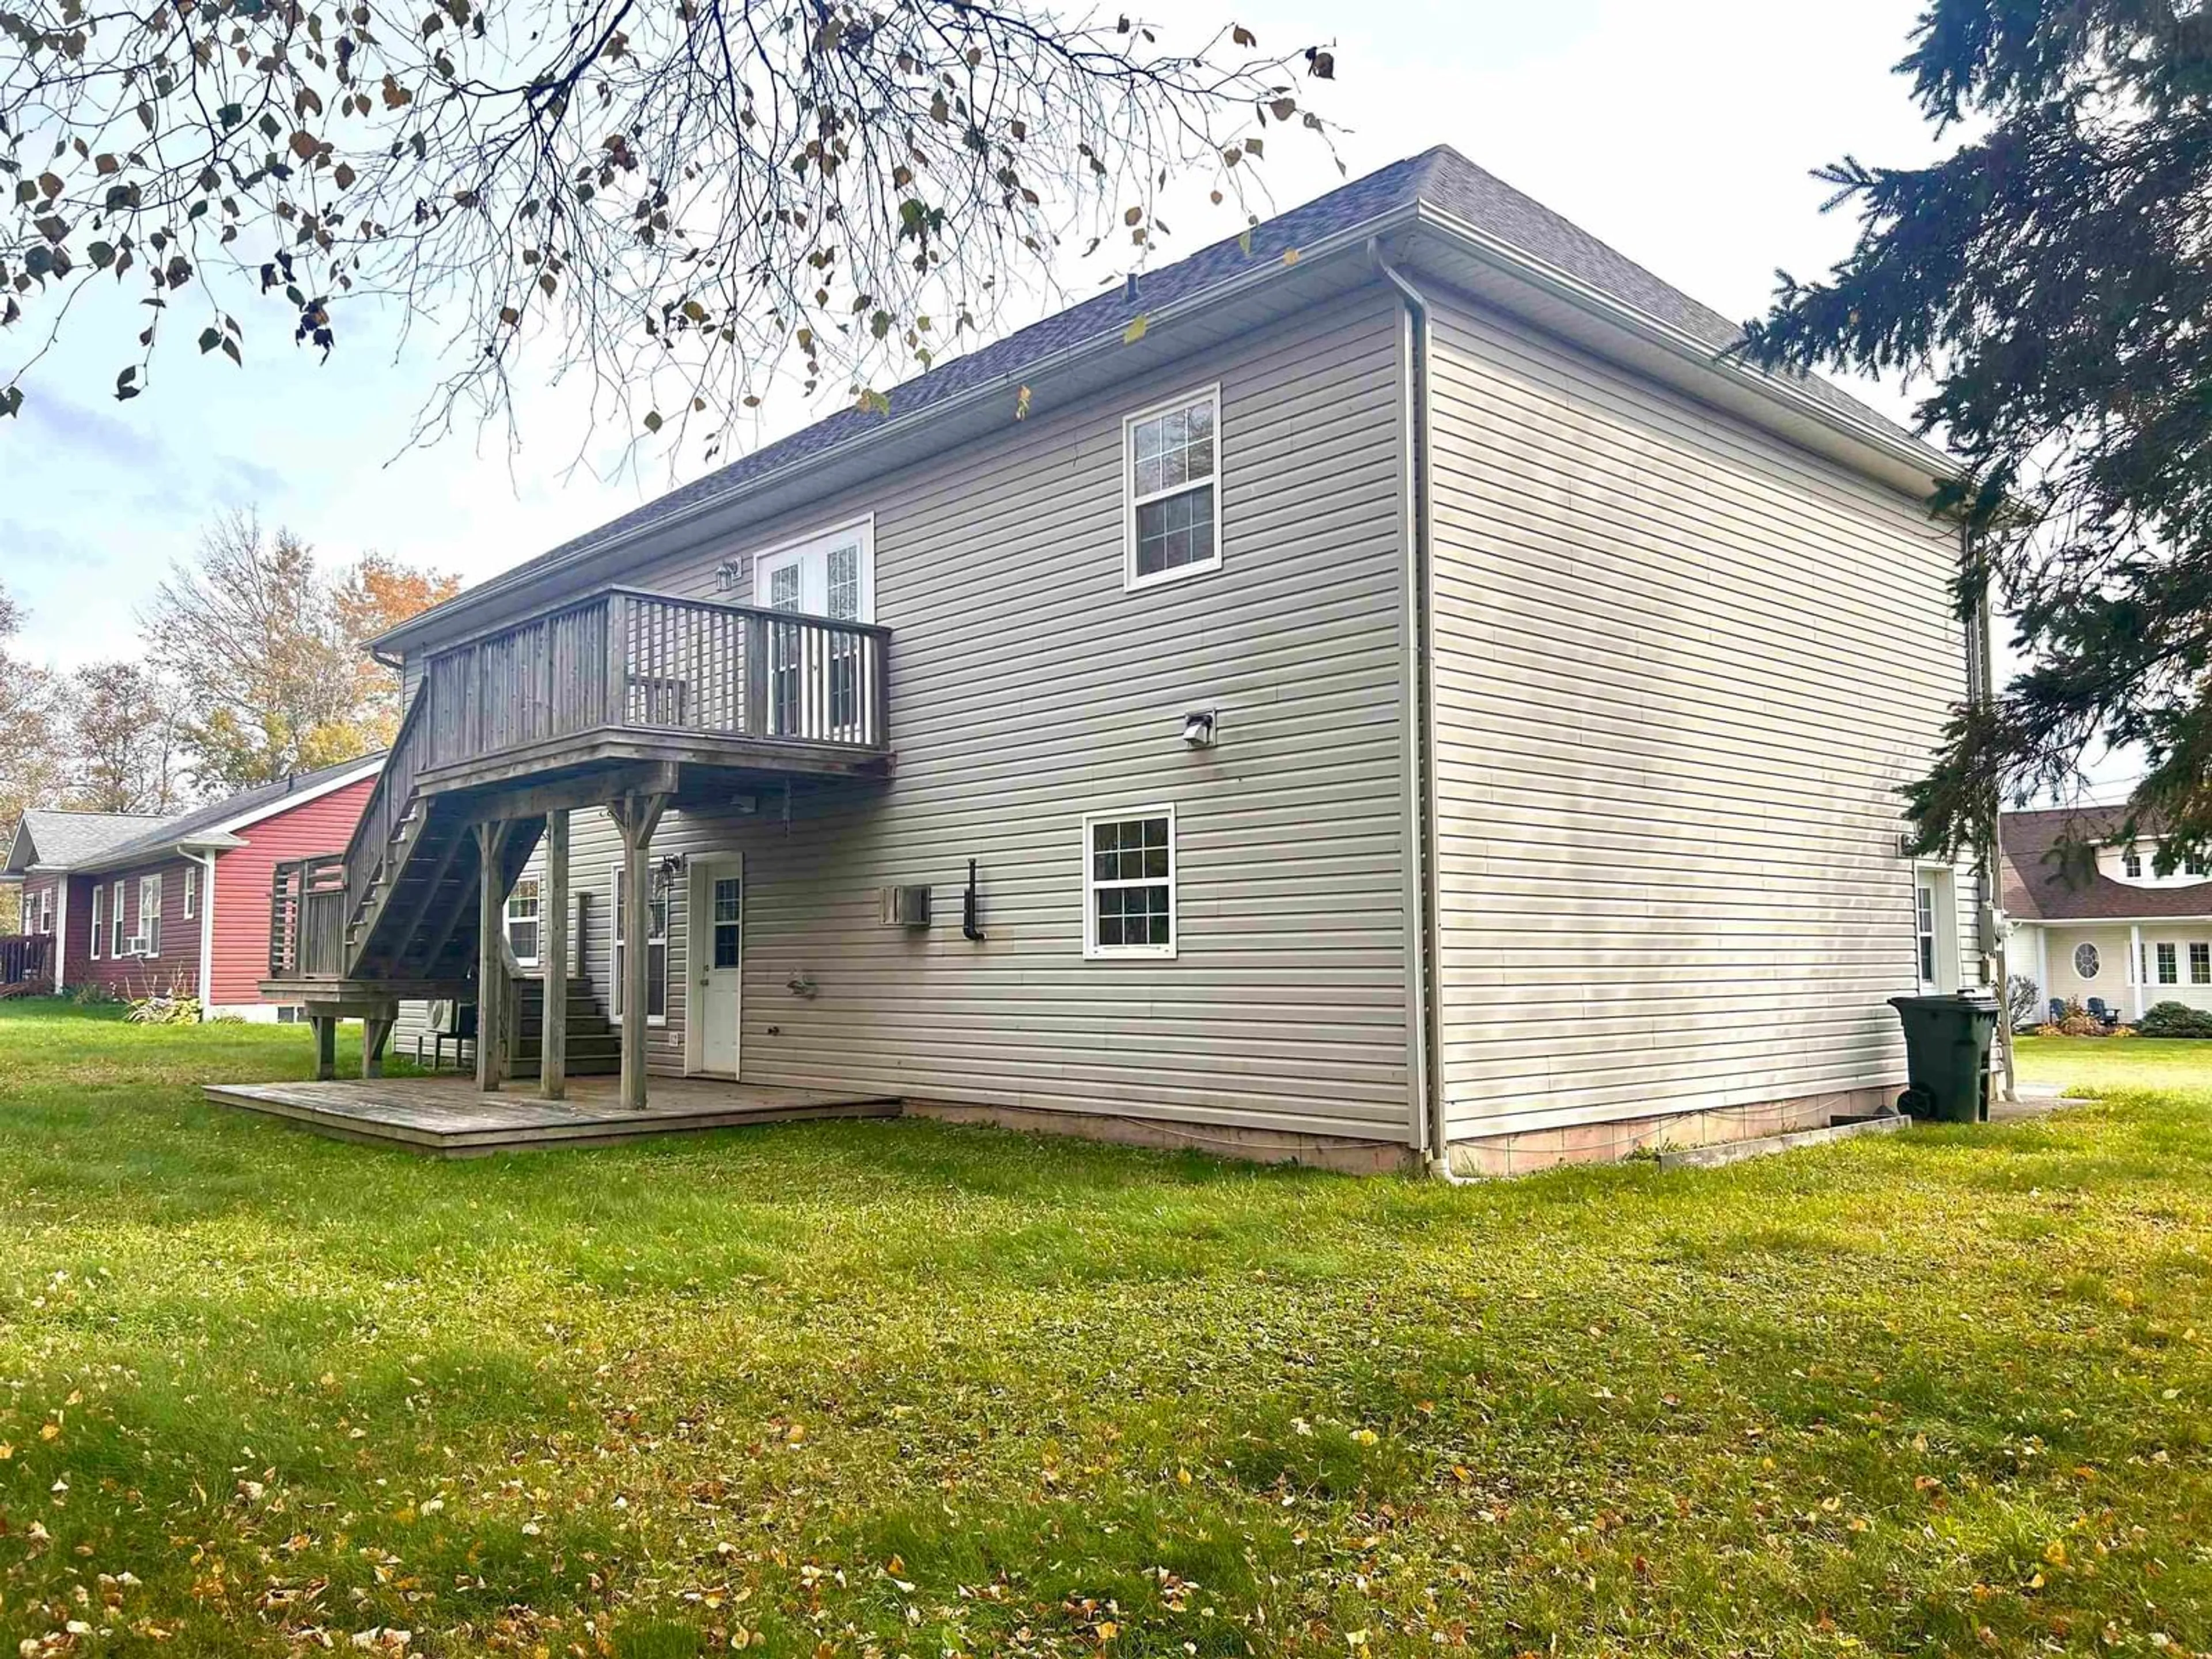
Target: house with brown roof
<point x="2124" y="931"/>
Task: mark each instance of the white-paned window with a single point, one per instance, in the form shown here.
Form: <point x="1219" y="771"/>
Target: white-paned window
<point x="118" y="932"/>
<point x="191" y="890"/>
<point x="1129" y="883"/>
<point x="2132" y="865"/>
<point x="656" y="952"/>
<point x="522" y="921"/>
<point x="2192" y="864"/>
<point x="2169" y="970"/>
<point x="2085" y="962"/>
<point x="728" y="920"/>
<point x="149" y="915"/>
<point x="99" y="910"/>
<point x="46" y="911"/>
<point x="1171" y="463"/>
<point x="2200" y="963"/>
<point x="1923" y="928"/>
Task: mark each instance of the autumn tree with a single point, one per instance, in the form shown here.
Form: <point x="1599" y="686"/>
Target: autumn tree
<point x="683" y="200"/>
<point x="268" y="652"/>
<point x="2047" y="283"/>
<point x="31" y="769"/>
<point x="124" y="738"/>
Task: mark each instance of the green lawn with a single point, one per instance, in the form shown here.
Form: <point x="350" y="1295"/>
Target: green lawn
<point x="875" y="1389"/>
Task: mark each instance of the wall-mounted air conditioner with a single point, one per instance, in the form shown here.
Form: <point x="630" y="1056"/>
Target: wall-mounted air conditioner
<point x="906" y="907"/>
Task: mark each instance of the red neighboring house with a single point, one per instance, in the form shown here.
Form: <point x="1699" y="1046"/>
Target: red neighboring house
<point x="173" y="904"/>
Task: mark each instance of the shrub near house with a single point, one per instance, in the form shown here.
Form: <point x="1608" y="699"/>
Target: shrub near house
<point x="2174" y="1019"/>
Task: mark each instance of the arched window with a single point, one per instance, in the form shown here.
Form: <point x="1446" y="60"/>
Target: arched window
<point x="2085" y="962"/>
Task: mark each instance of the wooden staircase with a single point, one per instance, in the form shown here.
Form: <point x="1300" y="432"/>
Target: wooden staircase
<point x="594" y="1045"/>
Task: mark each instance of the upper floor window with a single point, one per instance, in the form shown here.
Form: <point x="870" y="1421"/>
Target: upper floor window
<point x="2132" y="865"/>
<point x="1169" y="465"/>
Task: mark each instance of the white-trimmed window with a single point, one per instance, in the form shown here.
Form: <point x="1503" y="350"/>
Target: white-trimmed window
<point x="2169" y="965"/>
<point x="99" y="910"/>
<point x="2200" y="963"/>
<point x="2132" y="865"/>
<point x="1923" y="927"/>
<point x="523" y="917"/>
<point x="656" y="952"/>
<point x="2192" y="864"/>
<point x="149" y="915"/>
<point x="2086" y="964"/>
<point x="119" y="935"/>
<point x="191" y="890"/>
<point x="1129" y="883"/>
<point x="1170" y="462"/>
<point x="45" y="910"/>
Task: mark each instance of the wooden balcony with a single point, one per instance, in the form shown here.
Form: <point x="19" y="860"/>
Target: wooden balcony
<point x="619" y="698"/>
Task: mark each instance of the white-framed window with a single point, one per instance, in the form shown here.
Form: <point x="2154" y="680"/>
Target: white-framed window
<point x="1924" y="936"/>
<point x="2200" y="963"/>
<point x="523" y="917"/>
<point x="656" y="952"/>
<point x="2086" y="964"/>
<point x="2192" y="864"/>
<point x="2169" y="966"/>
<point x="45" y="909"/>
<point x="191" y="890"/>
<point x="2132" y="865"/>
<point x="149" y="915"/>
<point x="118" y="934"/>
<point x="99" y="910"/>
<point x="1129" y="883"/>
<point x="1171" y="483"/>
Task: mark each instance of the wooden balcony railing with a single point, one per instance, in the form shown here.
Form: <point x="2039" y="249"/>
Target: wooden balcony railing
<point x="307" y="918"/>
<point x="26" y="958"/>
<point x="621" y="657"/>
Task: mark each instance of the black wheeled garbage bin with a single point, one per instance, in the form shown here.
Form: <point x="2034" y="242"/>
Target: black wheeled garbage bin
<point x="1946" y="1056"/>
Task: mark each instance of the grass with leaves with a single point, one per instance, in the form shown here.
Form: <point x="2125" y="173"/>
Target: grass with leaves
<point x="901" y="1387"/>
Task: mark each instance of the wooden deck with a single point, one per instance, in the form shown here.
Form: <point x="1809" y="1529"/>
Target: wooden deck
<point x="448" y="1117"/>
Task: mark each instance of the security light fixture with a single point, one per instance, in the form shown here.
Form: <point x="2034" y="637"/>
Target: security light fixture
<point x="726" y="574"/>
<point x="1198" y="728"/>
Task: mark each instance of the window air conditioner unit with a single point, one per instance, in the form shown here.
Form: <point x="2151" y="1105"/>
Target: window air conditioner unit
<point x="906" y="907"/>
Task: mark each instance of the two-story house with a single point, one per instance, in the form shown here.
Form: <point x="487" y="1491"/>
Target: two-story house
<point x="1419" y="694"/>
<point x="2124" y="931"/>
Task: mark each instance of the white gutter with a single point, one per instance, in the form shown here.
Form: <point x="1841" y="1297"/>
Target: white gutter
<point x="61" y="928"/>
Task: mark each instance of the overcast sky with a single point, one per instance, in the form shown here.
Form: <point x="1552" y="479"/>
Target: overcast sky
<point x="1682" y="134"/>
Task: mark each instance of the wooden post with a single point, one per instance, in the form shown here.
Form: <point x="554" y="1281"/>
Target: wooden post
<point x="637" y="817"/>
<point x="553" y="955"/>
<point x="491" y="960"/>
<point x="374" y="1034"/>
<point x="325" y="1027"/>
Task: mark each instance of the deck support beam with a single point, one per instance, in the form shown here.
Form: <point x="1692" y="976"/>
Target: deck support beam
<point x="553" y="955"/>
<point x="325" y="1028"/>
<point x="493" y="998"/>
<point x="636" y="816"/>
<point x="374" y="1034"/>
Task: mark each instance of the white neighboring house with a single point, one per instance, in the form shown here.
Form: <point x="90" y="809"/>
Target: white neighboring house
<point x="2128" y="935"/>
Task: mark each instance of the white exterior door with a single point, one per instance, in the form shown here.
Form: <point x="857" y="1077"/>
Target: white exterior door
<point x="830" y="575"/>
<point x="718" y="954"/>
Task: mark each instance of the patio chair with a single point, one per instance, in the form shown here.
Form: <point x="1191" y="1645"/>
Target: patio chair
<point x="2057" y="1009"/>
<point x="2109" y="1016"/>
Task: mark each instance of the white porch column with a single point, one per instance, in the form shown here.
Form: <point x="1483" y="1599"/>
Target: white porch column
<point x="2135" y="970"/>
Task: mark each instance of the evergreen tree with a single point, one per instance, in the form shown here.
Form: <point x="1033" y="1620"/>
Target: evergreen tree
<point x="2049" y="284"/>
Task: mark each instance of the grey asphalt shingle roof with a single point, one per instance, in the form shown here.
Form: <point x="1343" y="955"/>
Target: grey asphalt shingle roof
<point x="1440" y="176"/>
<point x="261" y="798"/>
<point x="70" y="838"/>
<point x="2034" y="888"/>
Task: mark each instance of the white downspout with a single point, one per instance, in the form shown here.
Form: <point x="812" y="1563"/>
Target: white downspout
<point x="61" y="928"/>
<point x="1420" y="692"/>
<point x="206" y="862"/>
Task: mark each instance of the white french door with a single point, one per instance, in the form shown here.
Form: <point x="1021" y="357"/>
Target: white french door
<point x="830" y="575"/>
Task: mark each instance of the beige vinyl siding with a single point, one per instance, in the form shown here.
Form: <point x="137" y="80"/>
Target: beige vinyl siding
<point x="1681" y="669"/>
<point x="1029" y="690"/>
